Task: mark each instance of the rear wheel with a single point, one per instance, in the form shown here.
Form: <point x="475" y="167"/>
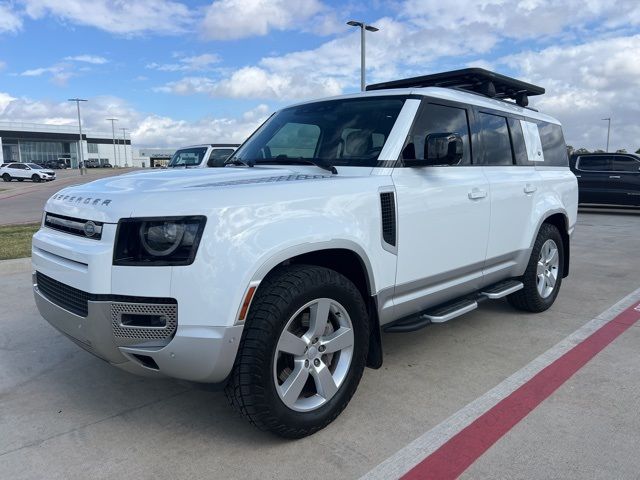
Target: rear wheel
<point x="6" y="177"/>
<point x="543" y="276"/>
<point x="302" y="353"/>
<point x="36" y="178"/>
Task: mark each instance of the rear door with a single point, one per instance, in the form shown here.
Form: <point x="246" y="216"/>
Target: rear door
<point x="594" y="174"/>
<point x="18" y="170"/>
<point x="443" y="215"/>
<point x="515" y="185"/>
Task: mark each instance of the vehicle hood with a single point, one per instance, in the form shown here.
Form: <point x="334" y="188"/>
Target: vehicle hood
<point x="109" y="199"/>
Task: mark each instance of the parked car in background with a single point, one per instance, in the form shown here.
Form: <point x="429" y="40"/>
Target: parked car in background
<point x="202" y="156"/>
<point x="107" y="165"/>
<point x="22" y="171"/>
<point x="57" y="164"/>
<point x="607" y="178"/>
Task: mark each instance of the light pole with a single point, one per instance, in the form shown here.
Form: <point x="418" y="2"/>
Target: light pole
<point x="78" y="100"/>
<point x="113" y="134"/>
<point x="363" y="26"/>
<point x="608" y="119"/>
<point x="124" y="140"/>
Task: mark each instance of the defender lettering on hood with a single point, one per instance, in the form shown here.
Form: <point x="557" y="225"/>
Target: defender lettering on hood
<point x="83" y="200"/>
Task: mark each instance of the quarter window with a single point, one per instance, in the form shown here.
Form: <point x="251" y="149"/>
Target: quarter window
<point x="553" y="146"/>
<point x="495" y="140"/>
<point x="435" y="118"/>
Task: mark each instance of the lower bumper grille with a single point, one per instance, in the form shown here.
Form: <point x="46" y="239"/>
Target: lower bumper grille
<point x="69" y="298"/>
<point x="77" y="301"/>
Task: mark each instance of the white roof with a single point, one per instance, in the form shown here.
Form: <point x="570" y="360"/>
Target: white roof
<point x="449" y="94"/>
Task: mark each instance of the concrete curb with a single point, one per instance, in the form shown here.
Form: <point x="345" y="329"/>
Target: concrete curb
<point x="17" y="265"/>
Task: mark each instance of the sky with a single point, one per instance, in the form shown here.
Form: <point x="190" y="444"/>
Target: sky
<point x="177" y="73"/>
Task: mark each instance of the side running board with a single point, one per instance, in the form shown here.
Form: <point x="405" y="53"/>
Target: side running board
<point x="502" y="289"/>
<point x="451" y="310"/>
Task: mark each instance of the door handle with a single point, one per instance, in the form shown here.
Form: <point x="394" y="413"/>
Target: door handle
<point x="477" y="194"/>
<point x="614" y="176"/>
<point x="528" y="188"/>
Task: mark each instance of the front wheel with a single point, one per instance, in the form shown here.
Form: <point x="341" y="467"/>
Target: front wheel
<point x="6" y="177"/>
<point x="302" y="353"/>
<point x="543" y="276"/>
<point x="35" y="178"/>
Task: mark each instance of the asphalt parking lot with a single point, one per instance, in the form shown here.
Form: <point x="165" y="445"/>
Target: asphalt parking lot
<point x="66" y="414"/>
<point x="22" y="202"/>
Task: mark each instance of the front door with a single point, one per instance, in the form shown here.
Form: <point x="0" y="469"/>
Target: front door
<point x="443" y="216"/>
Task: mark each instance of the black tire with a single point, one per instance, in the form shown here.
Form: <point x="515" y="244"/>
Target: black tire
<point x="529" y="298"/>
<point x="6" y="177"/>
<point x="251" y="388"/>
<point x="35" y="178"/>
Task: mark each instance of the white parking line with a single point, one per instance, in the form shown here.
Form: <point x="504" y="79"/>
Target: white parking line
<point x="411" y="455"/>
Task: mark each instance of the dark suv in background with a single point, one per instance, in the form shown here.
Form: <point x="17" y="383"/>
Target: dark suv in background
<point x="607" y="178"/>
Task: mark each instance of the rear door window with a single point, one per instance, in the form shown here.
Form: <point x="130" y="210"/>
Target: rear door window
<point x="495" y="140"/>
<point x="600" y="163"/>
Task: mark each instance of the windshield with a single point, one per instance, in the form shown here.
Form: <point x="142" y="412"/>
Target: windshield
<point x="34" y="166"/>
<point x="339" y="132"/>
<point x="188" y="157"/>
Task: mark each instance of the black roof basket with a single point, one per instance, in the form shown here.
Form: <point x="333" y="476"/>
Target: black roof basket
<point x="477" y="80"/>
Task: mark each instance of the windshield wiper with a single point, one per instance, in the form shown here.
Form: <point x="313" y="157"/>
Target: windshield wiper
<point x="237" y="161"/>
<point x="302" y="161"/>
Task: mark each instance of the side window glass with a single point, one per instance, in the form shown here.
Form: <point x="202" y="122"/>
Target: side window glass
<point x="595" y="163"/>
<point x="435" y="120"/>
<point x="495" y="140"/>
<point x="553" y="147"/>
<point x="533" y="142"/>
<point x="218" y="157"/>
<point x="626" y="164"/>
<point x="518" y="140"/>
<point x="294" y="140"/>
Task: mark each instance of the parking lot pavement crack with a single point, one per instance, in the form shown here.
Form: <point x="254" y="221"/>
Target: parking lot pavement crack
<point x="41" y="441"/>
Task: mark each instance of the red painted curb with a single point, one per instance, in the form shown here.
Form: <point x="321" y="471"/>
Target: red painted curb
<point x="456" y="455"/>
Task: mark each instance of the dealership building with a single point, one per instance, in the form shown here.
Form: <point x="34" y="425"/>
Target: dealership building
<point x="36" y="143"/>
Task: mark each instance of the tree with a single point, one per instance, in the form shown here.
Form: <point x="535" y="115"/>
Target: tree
<point x="599" y="151"/>
<point x="582" y="150"/>
<point x="622" y="150"/>
<point x="638" y="151"/>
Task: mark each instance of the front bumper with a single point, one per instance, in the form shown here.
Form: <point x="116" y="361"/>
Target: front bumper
<point x="195" y="353"/>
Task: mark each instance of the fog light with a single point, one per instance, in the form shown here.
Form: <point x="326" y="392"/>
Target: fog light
<point x="143" y="320"/>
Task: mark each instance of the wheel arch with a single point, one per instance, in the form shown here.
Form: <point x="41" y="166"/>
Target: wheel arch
<point x="348" y="259"/>
<point x="560" y="220"/>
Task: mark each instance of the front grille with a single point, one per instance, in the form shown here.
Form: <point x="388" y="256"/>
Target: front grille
<point x="69" y="298"/>
<point x="74" y="226"/>
<point x="168" y="311"/>
<point x="76" y="301"/>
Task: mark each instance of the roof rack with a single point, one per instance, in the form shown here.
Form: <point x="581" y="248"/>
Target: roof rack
<point x="477" y="80"/>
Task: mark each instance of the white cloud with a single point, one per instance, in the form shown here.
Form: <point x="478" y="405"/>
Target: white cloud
<point x="131" y="17"/>
<point x="10" y="21"/>
<point x="585" y="83"/>
<point x="59" y="73"/>
<point x="2" y="65"/>
<point x="146" y="129"/>
<point x="233" y="19"/>
<point x="185" y="64"/>
<point x="93" y="59"/>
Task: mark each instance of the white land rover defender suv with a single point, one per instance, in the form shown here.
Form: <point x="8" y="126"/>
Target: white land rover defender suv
<point x="392" y="209"/>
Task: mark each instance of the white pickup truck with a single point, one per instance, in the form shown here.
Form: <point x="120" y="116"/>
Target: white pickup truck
<point x="392" y="209"/>
<point x="202" y="156"/>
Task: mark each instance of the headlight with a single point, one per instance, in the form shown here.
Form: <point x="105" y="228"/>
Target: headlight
<point x="158" y="241"/>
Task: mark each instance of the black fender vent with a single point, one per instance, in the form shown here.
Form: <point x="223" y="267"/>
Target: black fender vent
<point x="388" y="208"/>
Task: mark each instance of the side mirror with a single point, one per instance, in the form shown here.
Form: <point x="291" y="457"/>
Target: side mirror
<point x="443" y="149"/>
